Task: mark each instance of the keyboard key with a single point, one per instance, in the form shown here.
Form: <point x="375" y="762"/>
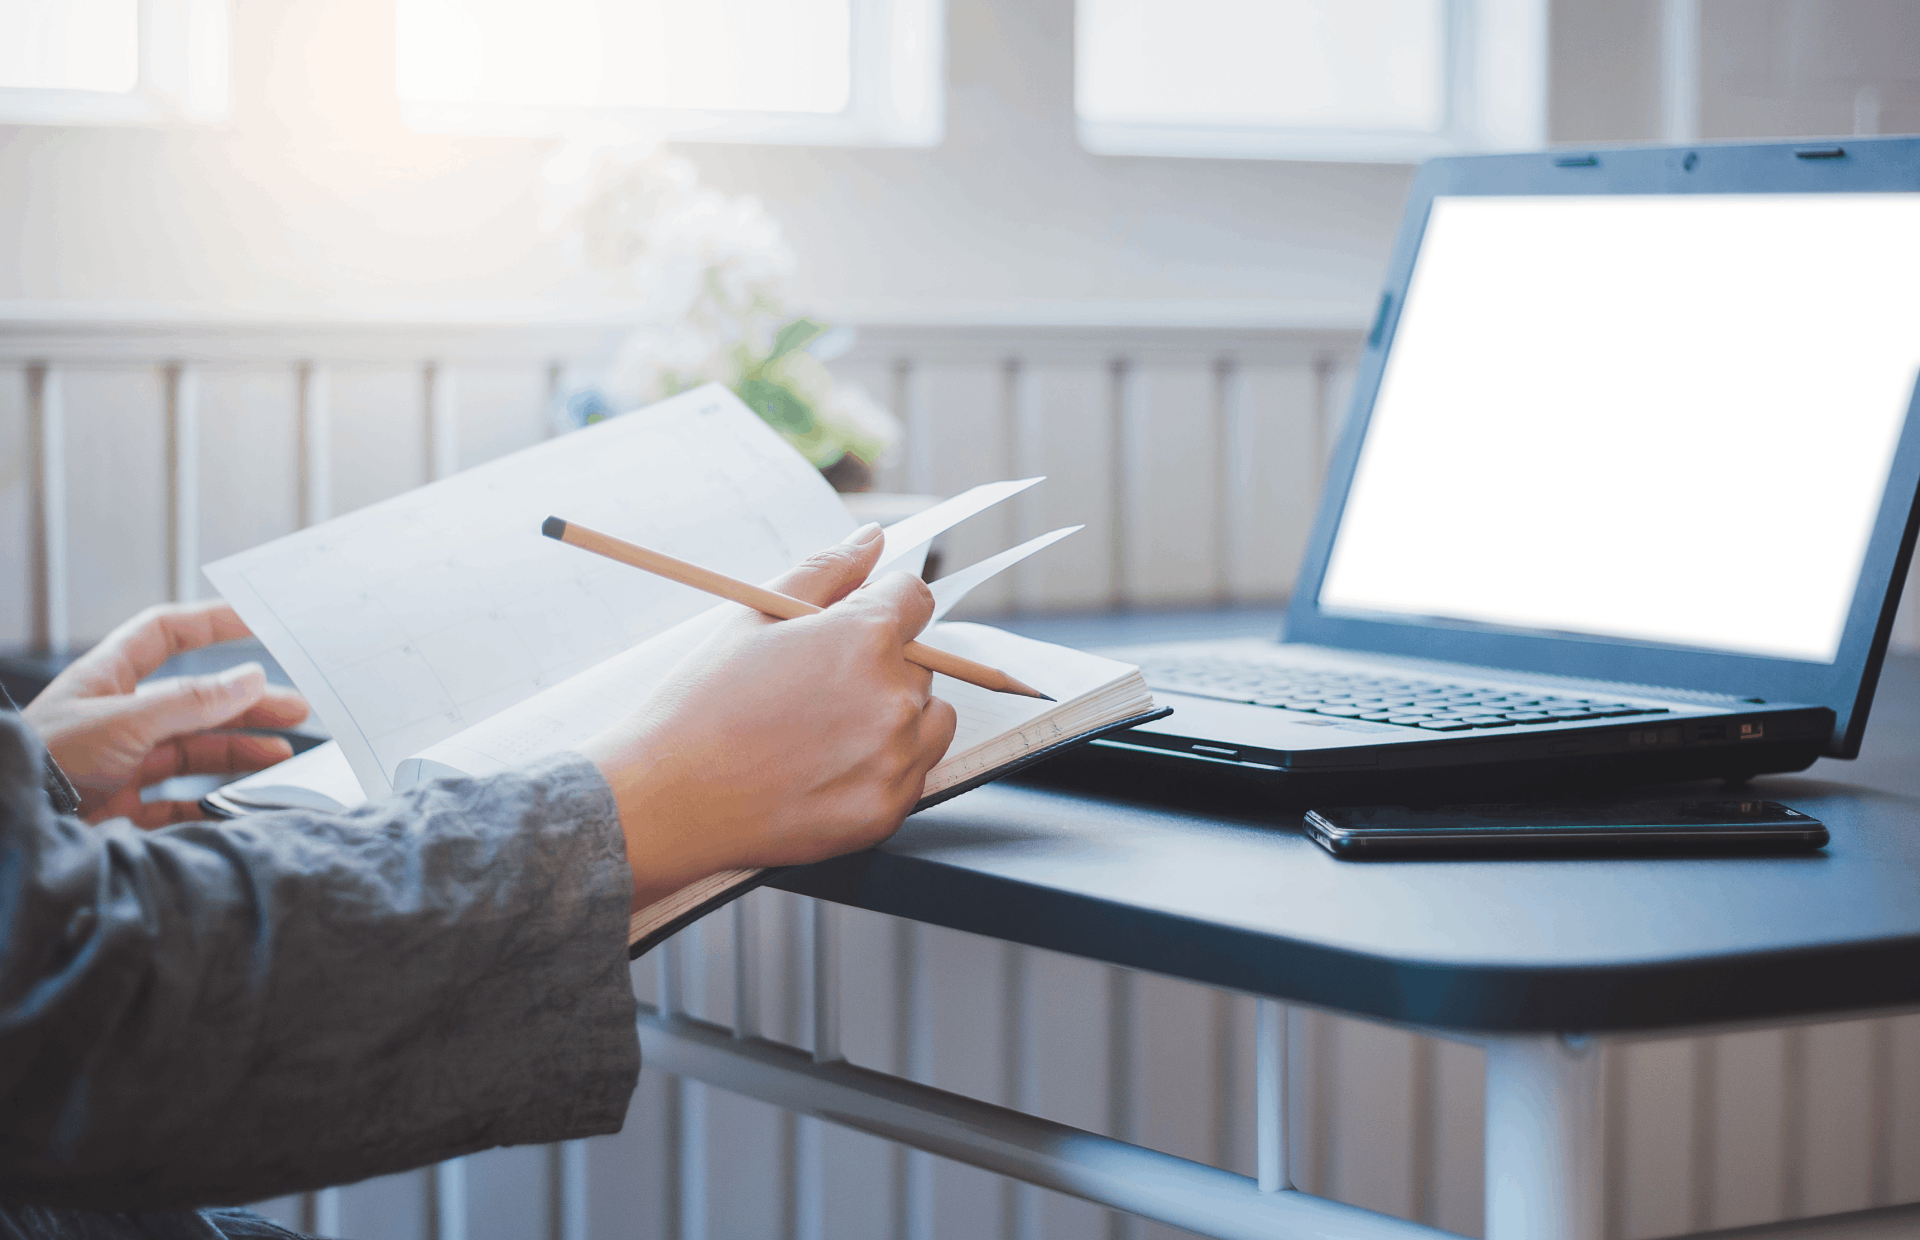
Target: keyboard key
<point x="1530" y="716"/>
<point x="1342" y="712"/>
<point x="1409" y="720"/>
<point x="1445" y="725"/>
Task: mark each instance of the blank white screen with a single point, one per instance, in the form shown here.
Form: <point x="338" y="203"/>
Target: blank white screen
<point x="1666" y="419"/>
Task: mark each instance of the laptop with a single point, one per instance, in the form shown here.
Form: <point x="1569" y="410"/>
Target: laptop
<point x="1626" y="492"/>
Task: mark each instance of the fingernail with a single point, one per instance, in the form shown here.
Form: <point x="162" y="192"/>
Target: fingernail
<point x="235" y="680"/>
<point x="864" y="535"/>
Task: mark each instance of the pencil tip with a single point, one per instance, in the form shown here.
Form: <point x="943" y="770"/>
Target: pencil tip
<point x="1043" y="697"/>
<point x="554" y="527"/>
<point x="1026" y="690"/>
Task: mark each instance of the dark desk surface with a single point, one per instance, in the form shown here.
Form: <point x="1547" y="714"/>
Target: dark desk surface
<point x="1470" y="945"/>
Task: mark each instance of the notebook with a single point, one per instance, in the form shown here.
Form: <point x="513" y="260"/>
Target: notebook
<point x="438" y="633"/>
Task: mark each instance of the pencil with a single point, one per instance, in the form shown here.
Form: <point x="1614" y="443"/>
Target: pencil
<point x="779" y="606"/>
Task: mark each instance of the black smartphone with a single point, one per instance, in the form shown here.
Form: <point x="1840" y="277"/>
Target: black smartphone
<point x="1615" y="828"/>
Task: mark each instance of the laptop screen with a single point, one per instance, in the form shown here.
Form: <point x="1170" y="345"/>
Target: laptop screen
<point x="1663" y="419"/>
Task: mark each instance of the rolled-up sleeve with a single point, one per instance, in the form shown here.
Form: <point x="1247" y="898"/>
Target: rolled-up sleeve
<point x="222" y="1012"/>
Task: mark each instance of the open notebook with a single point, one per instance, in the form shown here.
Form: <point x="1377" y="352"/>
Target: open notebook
<point x="438" y="633"/>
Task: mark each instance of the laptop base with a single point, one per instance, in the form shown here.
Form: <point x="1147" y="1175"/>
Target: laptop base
<point x="1190" y="782"/>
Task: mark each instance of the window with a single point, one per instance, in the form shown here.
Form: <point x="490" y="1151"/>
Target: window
<point x="1384" y="80"/>
<point x="854" y="72"/>
<point x="65" y="62"/>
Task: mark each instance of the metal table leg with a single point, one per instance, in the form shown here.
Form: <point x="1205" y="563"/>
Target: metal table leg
<point x="1544" y="1148"/>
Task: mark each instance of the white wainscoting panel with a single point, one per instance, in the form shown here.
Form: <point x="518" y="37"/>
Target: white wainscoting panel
<point x="117" y="510"/>
<point x="1064" y="429"/>
<point x="1195" y="459"/>
<point x="250" y="457"/>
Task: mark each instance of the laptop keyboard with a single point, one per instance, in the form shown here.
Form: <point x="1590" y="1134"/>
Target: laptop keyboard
<point x="1435" y="705"/>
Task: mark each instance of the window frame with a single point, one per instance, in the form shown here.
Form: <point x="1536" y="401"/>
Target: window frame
<point x="186" y="68"/>
<point x="897" y="98"/>
<point x="1487" y="109"/>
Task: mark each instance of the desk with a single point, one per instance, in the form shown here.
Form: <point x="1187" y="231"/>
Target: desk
<point x="1538" y="962"/>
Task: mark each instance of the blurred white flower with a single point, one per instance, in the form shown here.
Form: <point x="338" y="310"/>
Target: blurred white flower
<point x="706" y="271"/>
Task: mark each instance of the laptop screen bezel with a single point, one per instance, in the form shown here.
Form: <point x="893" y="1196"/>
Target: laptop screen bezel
<point x="1854" y="165"/>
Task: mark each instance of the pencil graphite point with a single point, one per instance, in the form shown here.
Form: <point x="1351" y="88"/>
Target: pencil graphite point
<point x="554" y="527"/>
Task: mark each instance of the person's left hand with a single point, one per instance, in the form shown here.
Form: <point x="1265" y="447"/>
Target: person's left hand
<point x="114" y="736"/>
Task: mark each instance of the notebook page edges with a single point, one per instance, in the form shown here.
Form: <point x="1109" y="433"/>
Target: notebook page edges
<point x="317" y="779"/>
<point x="410" y="620"/>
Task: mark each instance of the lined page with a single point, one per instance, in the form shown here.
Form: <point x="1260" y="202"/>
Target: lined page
<point x="411" y="620"/>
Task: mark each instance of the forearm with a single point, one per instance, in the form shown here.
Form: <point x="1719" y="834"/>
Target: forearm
<point x="222" y="1012"/>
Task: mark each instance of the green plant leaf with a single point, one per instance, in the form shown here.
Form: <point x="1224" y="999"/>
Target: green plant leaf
<point x="778" y="407"/>
<point x="793" y="336"/>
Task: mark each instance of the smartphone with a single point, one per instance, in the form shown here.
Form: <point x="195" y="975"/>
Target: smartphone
<point x="1616" y="828"/>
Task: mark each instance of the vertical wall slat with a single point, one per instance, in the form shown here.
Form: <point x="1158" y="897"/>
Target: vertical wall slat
<point x="1370" y="1151"/>
<point x="1750" y="1125"/>
<point x="376" y="447"/>
<point x="493" y="411"/>
<point x="1903" y="1104"/>
<point x="442" y="417"/>
<point x="47" y="410"/>
<point x="249" y="458"/>
<point x="314" y="398"/>
<point x="1655" y="1140"/>
<point x="116" y="445"/>
<point x="1459" y="1147"/>
<point x="1063" y="426"/>
<point x="183" y="481"/>
<point x="1169" y="455"/>
<point x="19" y="465"/>
<point x="1070" y="1065"/>
<point x="1274" y="483"/>
<point x="1835" y="1143"/>
<point x="962" y="411"/>
<point x="915" y="978"/>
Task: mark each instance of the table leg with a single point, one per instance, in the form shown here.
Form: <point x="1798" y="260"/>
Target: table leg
<point x="1544" y="1147"/>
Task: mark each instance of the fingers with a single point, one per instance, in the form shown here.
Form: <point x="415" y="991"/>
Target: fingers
<point x="826" y="577"/>
<point x="937" y="724"/>
<point x="278" y="707"/>
<point x="919" y="684"/>
<point x="171" y="708"/>
<point x="143" y="643"/>
<point x="211" y="753"/>
<point x="903" y="601"/>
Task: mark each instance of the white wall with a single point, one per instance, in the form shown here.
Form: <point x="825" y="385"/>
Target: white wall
<point x="315" y="200"/>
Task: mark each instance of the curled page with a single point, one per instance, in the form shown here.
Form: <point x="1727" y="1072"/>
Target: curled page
<point x="949" y="590"/>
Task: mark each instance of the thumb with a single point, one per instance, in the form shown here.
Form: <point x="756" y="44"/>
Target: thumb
<point x="194" y="703"/>
<point x="826" y="577"/>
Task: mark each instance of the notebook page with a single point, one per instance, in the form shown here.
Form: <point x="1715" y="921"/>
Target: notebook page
<point x="1067" y="674"/>
<point x="413" y="619"/>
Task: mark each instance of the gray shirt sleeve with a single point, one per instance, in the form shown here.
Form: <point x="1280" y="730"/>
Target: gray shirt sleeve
<point x="223" y="1012"/>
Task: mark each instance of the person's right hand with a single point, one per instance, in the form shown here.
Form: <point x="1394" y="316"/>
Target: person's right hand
<point x="782" y="742"/>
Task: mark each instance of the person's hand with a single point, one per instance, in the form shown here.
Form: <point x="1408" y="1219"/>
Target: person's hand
<point x="114" y="736"/>
<point x="782" y="742"/>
